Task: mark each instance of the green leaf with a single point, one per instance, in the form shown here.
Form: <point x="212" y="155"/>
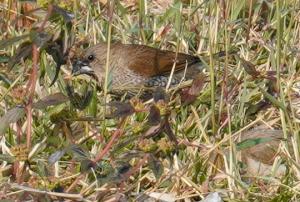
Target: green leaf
<point x="42" y="169"/>
<point x="252" y="142"/>
<point x="6" y="157"/>
<point x="272" y="99"/>
<point x="4" y="58"/>
<point x="171" y="12"/>
<point x="8" y="42"/>
<point x="238" y="6"/>
<point x="5" y="79"/>
<point x="23" y="52"/>
<point x="77" y="100"/>
<point x="6" y="200"/>
<point x="93" y="105"/>
<point x="40" y="38"/>
<point x="249" y="95"/>
<point x="255" y="108"/>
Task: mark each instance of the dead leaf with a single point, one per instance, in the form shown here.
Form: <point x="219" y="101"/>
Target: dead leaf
<point x="262" y="144"/>
<point x="169" y="132"/>
<point x="249" y="67"/>
<point x="163" y="31"/>
<point x="50" y="100"/>
<point x="189" y="95"/>
<point x="154" y="116"/>
<point x="152" y="131"/>
<point x="11" y="116"/>
<point x="120" y="109"/>
<point x="166" y="197"/>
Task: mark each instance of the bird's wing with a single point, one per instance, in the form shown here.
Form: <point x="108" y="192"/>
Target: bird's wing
<point x="150" y="61"/>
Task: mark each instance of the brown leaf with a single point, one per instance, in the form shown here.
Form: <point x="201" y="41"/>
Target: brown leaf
<point x="154" y="116"/>
<point x="50" y="100"/>
<point x="189" y="95"/>
<point x="169" y="132"/>
<point x="265" y="143"/>
<point x="120" y="109"/>
<point x="11" y="116"/>
<point x="163" y="31"/>
<point x="249" y="67"/>
<point x="197" y="85"/>
<point x="186" y="98"/>
<point x="152" y="131"/>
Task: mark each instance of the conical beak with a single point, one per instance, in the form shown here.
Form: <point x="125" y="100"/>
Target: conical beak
<point x="81" y="67"/>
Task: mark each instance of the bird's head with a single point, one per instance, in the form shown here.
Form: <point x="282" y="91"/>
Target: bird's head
<point x="91" y="62"/>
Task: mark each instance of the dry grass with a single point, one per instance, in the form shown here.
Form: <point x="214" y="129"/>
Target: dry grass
<point x="51" y="152"/>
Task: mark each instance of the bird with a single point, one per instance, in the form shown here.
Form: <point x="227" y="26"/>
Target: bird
<point x="133" y="67"/>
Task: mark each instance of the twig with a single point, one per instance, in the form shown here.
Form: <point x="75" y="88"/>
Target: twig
<point x="63" y="195"/>
<point x="101" y="154"/>
<point x="74" y="184"/>
<point x="31" y="88"/>
<point x="49" y="12"/>
<point x="32" y="81"/>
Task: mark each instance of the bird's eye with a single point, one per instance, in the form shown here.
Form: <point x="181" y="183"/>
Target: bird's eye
<point x="91" y="57"/>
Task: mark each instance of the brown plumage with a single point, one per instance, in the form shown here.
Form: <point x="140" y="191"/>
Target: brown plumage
<point x="136" y="66"/>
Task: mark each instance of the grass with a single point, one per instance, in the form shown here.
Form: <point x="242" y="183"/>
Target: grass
<point x="64" y="148"/>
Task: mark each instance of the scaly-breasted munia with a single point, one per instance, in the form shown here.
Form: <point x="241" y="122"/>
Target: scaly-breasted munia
<point x="133" y="67"/>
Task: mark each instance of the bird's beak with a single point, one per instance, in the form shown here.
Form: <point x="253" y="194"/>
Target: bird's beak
<point x="81" y="67"/>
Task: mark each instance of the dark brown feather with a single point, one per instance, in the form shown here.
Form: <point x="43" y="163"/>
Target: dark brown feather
<point x="150" y="61"/>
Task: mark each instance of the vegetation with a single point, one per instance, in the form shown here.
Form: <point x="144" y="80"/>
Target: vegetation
<point x="64" y="139"/>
